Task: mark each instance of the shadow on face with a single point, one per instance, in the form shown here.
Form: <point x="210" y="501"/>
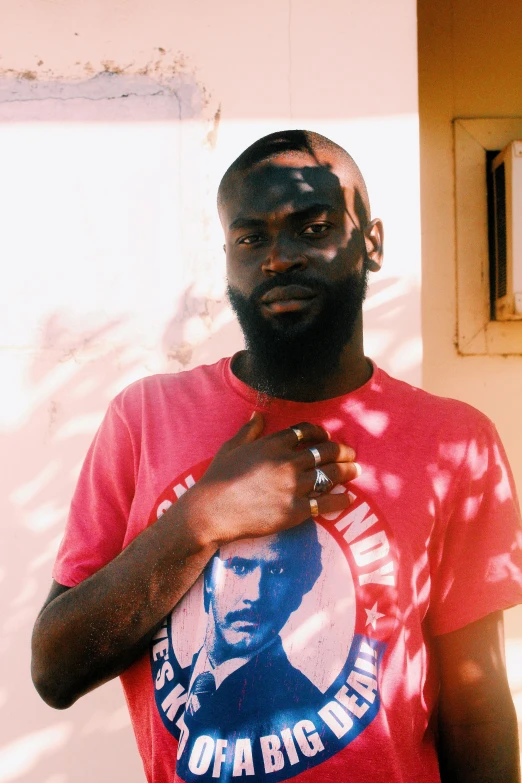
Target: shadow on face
<point x="292" y="183"/>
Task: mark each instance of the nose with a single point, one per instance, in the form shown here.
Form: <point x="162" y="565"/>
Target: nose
<point x="283" y="257"/>
<point x="251" y="587"/>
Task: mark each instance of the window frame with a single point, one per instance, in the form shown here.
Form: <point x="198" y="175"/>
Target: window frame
<point x="476" y="332"/>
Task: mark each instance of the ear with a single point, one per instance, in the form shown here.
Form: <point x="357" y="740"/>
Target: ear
<point x="373" y="240"/>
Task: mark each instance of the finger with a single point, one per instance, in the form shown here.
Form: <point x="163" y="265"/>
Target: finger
<point x="310" y="433"/>
<point x="246" y="434"/>
<point x="337" y="472"/>
<point x="326" y="504"/>
<point x="324" y="454"/>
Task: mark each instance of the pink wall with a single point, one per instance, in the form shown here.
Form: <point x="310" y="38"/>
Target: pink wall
<point x="116" y="122"/>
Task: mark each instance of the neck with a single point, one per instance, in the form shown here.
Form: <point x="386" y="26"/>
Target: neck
<point x="353" y="371"/>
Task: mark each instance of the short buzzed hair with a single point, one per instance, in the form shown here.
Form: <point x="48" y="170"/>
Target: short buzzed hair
<point x="280" y="142"/>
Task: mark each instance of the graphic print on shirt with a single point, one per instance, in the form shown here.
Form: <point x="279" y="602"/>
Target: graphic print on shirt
<point x="270" y="663"/>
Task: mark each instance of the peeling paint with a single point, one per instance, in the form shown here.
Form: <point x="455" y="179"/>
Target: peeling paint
<point x="109" y="66"/>
<point x="181" y="353"/>
<point x="180" y="97"/>
<point x="213" y="132"/>
<point x="166" y="70"/>
<point x="175" y="63"/>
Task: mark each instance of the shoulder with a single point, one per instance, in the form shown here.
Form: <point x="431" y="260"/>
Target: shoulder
<point x="155" y="391"/>
<point x="427" y="412"/>
<point x="273" y="664"/>
<point x="452" y="442"/>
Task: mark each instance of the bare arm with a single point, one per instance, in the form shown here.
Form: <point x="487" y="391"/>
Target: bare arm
<point x="477" y="720"/>
<point x="90" y="633"/>
<point x="255" y="486"/>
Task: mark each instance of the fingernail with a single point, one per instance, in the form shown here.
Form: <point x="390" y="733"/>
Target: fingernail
<point x="358" y="469"/>
<point x="252" y="416"/>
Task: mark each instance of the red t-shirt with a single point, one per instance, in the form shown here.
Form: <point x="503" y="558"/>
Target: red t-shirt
<point x="305" y="654"/>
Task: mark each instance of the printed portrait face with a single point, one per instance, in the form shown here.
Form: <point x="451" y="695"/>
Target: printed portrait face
<point x="252" y="587"/>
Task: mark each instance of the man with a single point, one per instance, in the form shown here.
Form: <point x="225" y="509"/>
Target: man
<point x="251" y="588"/>
<point x="426" y="524"/>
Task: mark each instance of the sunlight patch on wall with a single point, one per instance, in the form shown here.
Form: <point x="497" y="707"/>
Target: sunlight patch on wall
<point x="117" y="240"/>
<point x="20" y="756"/>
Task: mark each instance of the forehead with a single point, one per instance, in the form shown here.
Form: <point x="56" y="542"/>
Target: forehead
<point x="284" y="184"/>
<point x="266" y="549"/>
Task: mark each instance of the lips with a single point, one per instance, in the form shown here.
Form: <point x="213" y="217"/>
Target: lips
<point x="244" y="625"/>
<point x="287" y="293"/>
<point x="288" y="299"/>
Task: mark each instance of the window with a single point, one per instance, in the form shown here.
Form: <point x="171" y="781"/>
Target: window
<point x="476" y="141"/>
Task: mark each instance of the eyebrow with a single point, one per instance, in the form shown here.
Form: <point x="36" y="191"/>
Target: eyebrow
<point x="243" y="221"/>
<point x="238" y="560"/>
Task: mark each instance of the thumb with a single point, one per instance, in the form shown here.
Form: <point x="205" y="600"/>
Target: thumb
<point x="247" y="433"/>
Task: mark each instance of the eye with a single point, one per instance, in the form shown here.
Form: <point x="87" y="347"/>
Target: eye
<point x="276" y="570"/>
<point x="251" y="239"/>
<point x="237" y="565"/>
<point x="315" y="229"/>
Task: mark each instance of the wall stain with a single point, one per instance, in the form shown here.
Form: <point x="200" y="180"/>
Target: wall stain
<point x="52" y="419"/>
<point x="181" y="353"/>
<point x="163" y="64"/>
<point x="212" y="135"/>
<point x="109" y="66"/>
<point x="193" y="100"/>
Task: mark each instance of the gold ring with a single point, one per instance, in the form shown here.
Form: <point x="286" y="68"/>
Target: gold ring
<point x="298" y="433"/>
<point x="316" y="455"/>
<point x="314" y="508"/>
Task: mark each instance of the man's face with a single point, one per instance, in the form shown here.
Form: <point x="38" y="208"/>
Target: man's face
<point x="252" y="592"/>
<point x="295" y="261"/>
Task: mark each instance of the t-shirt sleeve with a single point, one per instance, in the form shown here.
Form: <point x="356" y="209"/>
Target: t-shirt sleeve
<point x="101" y="503"/>
<point x="476" y="564"/>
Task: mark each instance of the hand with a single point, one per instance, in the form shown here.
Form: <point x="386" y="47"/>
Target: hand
<point x="256" y="486"/>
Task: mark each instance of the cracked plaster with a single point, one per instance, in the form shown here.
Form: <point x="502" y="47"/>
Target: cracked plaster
<point x="182" y="97"/>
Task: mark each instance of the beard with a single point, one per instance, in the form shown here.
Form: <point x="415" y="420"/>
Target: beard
<point x="290" y="348"/>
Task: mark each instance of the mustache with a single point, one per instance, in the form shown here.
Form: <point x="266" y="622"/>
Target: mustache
<point x="244" y="615"/>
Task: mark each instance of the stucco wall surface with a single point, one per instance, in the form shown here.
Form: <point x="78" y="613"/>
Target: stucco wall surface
<point x="117" y="119"/>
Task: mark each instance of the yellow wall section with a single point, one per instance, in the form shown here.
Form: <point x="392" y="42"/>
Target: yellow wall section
<point x="470" y="65"/>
